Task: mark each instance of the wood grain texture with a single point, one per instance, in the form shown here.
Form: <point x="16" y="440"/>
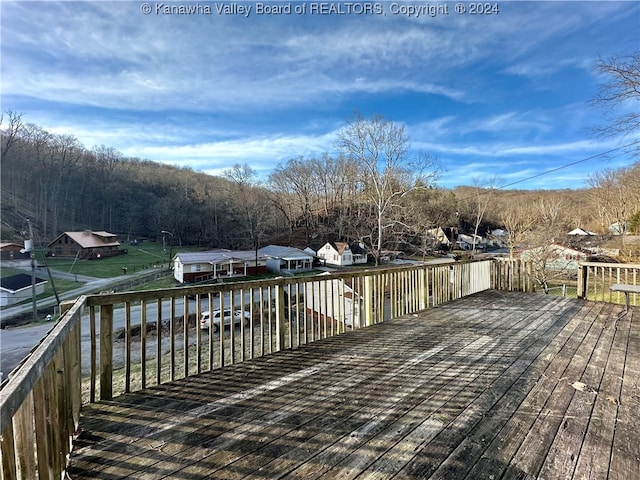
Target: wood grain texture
<point x="495" y="385"/>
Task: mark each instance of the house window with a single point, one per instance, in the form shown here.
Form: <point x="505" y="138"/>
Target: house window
<point x="197" y="267"/>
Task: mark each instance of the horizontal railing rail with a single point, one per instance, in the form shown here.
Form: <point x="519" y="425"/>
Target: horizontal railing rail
<point x="132" y="340"/>
<point x="595" y="280"/>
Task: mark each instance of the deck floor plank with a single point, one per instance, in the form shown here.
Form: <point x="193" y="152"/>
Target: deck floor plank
<point x="466" y="459"/>
<point x="479" y="387"/>
<point x="595" y="455"/>
<point x="405" y="451"/>
<point x="533" y="450"/>
<point x="571" y="435"/>
<point x="437" y="451"/>
<point x="625" y="457"/>
<point x="513" y="416"/>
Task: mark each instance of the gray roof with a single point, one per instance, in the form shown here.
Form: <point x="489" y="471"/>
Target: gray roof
<point x="286" y="253"/>
<point x="18" y="282"/>
<point x="218" y="256"/>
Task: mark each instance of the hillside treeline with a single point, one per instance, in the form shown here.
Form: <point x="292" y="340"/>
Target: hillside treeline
<point x="59" y="184"/>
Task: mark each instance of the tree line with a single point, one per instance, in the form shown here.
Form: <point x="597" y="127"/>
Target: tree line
<point x="375" y="192"/>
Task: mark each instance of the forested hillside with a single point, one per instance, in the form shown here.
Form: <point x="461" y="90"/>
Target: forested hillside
<point x="60" y="184"/>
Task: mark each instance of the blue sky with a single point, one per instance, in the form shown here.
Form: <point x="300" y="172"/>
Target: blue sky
<point x="504" y="95"/>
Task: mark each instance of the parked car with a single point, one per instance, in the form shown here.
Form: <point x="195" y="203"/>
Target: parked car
<point x="239" y="318"/>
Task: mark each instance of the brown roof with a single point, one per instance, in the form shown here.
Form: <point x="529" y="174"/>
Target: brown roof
<point x="89" y="239"/>
<point x="11" y="246"/>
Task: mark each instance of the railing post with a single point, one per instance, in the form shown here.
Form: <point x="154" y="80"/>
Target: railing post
<point x="368" y="300"/>
<point x="582" y="281"/>
<point x="106" y="352"/>
<point x="280" y="319"/>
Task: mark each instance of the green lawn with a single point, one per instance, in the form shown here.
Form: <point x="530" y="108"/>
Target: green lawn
<point x="139" y="257"/>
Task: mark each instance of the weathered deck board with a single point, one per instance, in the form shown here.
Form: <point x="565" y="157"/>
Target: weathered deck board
<point x="477" y="388"/>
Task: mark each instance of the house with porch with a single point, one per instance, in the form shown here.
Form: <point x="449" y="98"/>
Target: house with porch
<point x="359" y="253"/>
<point x="86" y="245"/>
<point x="213" y="265"/>
<point x="286" y="259"/>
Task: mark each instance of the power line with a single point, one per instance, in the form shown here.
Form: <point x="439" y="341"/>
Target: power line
<point x="547" y="172"/>
<point x="568" y="165"/>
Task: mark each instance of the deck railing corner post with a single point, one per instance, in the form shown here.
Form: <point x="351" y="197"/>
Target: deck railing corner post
<point x="106" y="352"/>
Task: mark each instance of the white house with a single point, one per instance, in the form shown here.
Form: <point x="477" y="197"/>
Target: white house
<point x="286" y="259"/>
<point x="359" y="253"/>
<point x="336" y="253"/>
<point x="466" y="242"/>
<point x="555" y="257"/>
<point x="16" y="288"/>
<point x="581" y="232"/>
<point x="619" y="228"/>
<point x="217" y="264"/>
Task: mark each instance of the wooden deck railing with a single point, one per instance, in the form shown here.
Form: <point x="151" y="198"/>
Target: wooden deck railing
<point x="595" y="280"/>
<point x="139" y="339"/>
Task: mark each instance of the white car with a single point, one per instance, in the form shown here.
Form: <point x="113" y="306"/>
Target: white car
<point x="239" y="318"/>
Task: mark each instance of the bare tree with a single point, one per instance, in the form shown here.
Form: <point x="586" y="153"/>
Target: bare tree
<point x="619" y="96"/>
<point x="518" y="219"/>
<point x="388" y="171"/>
<point x="251" y="204"/>
<point x="296" y="177"/>
<point x="484" y="190"/>
<point x="14" y="129"/>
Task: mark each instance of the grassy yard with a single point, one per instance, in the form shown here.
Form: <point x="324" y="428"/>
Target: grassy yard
<point x="138" y="257"/>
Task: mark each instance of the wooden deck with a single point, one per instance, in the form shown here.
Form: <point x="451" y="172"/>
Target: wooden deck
<point x="496" y="385"/>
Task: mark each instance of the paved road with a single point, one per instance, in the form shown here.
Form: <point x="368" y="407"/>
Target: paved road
<point x="17" y="342"/>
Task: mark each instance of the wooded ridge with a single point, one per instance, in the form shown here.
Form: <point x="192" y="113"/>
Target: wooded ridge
<point x="61" y="185"/>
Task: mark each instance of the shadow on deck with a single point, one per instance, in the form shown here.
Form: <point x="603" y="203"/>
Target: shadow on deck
<point x="496" y="385"/>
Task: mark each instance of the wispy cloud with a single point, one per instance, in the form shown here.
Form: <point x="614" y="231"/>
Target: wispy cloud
<point x="506" y="91"/>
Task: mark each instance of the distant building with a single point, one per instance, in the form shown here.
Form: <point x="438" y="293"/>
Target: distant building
<point x="582" y="232"/>
<point x="359" y="253"/>
<point x="555" y="257"/>
<point x="13" y="251"/>
<point x="86" y="245"/>
<point x="336" y="253"/>
<point x="287" y="259"/>
<point x="619" y="228"/>
<point x="217" y="264"/>
<point x="438" y="237"/>
<point x="17" y="288"/>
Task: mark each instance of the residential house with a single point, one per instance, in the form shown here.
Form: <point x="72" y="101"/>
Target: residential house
<point x="16" y="288"/>
<point x="581" y="232"/>
<point x="467" y="242"/>
<point x="214" y="265"/>
<point x="619" y="228"/>
<point x="359" y="253"/>
<point x="555" y="257"/>
<point x="287" y="259"/>
<point x="13" y="251"/>
<point x="438" y="237"/>
<point x="336" y="253"/>
<point x="86" y="245"/>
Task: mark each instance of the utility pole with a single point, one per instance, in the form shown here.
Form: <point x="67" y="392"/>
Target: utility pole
<point x="32" y="255"/>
